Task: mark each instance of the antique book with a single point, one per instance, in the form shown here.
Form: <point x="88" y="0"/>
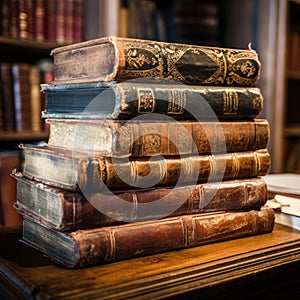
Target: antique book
<point x="66" y="210"/>
<point x="150" y="138"/>
<point x="106" y="244"/>
<point x="113" y="58"/>
<point x="284" y="183"/>
<point x="70" y="170"/>
<point x="9" y="160"/>
<point x="7" y="96"/>
<point x="128" y="99"/>
<point x="40" y="19"/>
<point x="287" y="210"/>
<point x="36" y="99"/>
<point x="22" y="103"/>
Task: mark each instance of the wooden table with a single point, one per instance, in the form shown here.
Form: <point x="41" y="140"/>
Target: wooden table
<point x="263" y="265"/>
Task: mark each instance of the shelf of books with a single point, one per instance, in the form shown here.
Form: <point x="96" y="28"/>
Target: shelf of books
<point x="291" y="119"/>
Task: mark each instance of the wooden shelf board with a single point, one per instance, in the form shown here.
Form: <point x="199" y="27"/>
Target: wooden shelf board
<point x="23" y="136"/>
<point x="6" y="41"/>
<point x="291" y="74"/>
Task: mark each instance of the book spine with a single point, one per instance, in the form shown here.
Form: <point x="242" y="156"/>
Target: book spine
<point x="187" y="102"/>
<point x="60" y="21"/>
<point x="174" y="138"/>
<point x="50" y="21"/>
<point x="124" y="242"/>
<point x="102" y="172"/>
<point x="78" y="24"/>
<point x="39" y="20"/>
<point x="7" y="97"/>
<point x="78" y="212"/>
<point x="5" y="18"/>
<point x="35" y="97"/>
<point x="68" y="21"/>
<point x="24" y="19"/>
<point x="8" y="161"/>
<point x="211" y="66"/>
<point x="21" y="82"/>
<point x="13" y="19"/>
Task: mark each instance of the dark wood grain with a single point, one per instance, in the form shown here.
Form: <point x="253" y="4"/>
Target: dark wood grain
<point x="257" y="265"/>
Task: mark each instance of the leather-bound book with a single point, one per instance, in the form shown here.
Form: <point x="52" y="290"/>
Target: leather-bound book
<point x="35" y="97"/>
<point x="39" y="15"/>
<point x="22" y="103"/>
<point x="129" y="99"/>
<point x="1" y="110"/>
<point x="78" y="24"/>
<point x="151" y="138"/>
<point x="13" y="11"/>
<point x="72" y="170"/>
<point x="50" y="24"/>
<point x="68" y="21"/>
<point x="65" y="210"/>
<point x="9" y="160"/>
<point x="87" y="247"/>
<point x="4" y="20"/>
<point x="25" y="19"/>
<point x="7" y="97"/>
<point x="114" y="58"/>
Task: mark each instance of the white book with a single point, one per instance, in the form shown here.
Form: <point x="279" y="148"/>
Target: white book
<point x="284" y="183"/>
<point x="287" y="220"/>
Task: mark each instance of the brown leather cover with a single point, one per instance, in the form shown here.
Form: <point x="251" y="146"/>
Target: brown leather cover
<point x="7" y="97"/>
<point x="141" y="138"/>
<point x="114" y="58"/>
<point x="72" y="170"/>
<point x="65" y="210"/>
<point x="20" y="72"/>
<point x="106" y="244"/>
<point x="8" y="161"/>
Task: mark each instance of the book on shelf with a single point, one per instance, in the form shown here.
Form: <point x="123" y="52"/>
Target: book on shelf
<point x="128" y="99"/>
<point x="41" y="20"/>
<point x="7" y="97"/>
<point x="20" y="96"/>
<point x="22" y="100"/>
<point x="101" y="245"/>
<point x="35" y="97"/>
<point x="149" y="138"/>
<point x="9" y="160"/>
<point x="72" y="170"/>
<point x="68" y="210"/>
<point x="114" y="58"/>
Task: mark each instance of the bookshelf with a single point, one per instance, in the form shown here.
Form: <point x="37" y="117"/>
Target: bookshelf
<point x="15" y="51"/>
<point x="28" y="32"/>
<point x="269" y="26"/>
<point x="291" y="118"/>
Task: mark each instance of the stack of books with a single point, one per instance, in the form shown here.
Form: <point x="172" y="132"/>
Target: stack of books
<point x="152" y="147"/>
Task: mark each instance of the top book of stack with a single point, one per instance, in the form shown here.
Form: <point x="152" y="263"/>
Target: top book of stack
<point x="119" y="59"/>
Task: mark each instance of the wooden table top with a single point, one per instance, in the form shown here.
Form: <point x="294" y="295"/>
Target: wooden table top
<point x="25" y="272"/>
